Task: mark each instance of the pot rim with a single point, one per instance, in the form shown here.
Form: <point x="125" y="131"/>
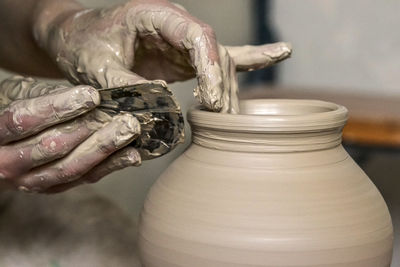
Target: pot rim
<point x="273" y="115"/>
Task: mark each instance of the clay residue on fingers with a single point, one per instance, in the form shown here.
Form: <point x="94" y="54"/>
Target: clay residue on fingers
<point x="49" y="145"/>
<point x="113" y="136"/>
<point x="80" y="98"/>
<point x="187" y="33"/>
<point x="65" y="137"/>
<point x="230" y="99"/>
<point x="129" y="130"/>
<point x="209" y="91"/>
<point x="246" y="58"/>
<point x="206" y="63"/>
<point x="98" y="51"/>
<point x="119" y="132"/>
<point x="52" y="108"/>
<point x="19" y="87"/>
<point x="249" y="57"/>
<point x="121" y="159"/>
<point x="24" y="117"/>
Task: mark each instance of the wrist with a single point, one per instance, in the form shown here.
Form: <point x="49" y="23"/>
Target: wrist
<point x="48" y="15"/>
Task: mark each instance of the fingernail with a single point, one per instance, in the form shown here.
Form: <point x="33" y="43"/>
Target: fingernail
<point x="279" y="50"/>
<point x="134" y="158"/>
<point x="286" y="48"/>
<point x="128" y="129"/>
<point x="90" y="95"/>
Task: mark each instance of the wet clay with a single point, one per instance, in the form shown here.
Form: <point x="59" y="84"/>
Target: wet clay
<point x="269" y="187"/>
<point x="24" y="111"/>
<point x="144" y="40"/>
<point x="50" y="135"/>
<point x="246" y="58"/>
<point x="121" y="130"/>
<point x="19" y="87"/>
<point x="45" y="147"/>
<point x="105" y="58"/>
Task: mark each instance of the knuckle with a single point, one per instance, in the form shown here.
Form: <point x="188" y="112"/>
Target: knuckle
<point x="14" y="113"/>
<point x="49" y="148"/>
<point x="35" y="182"/>
<point x="106" y="147"/>
<point x="67" y="174"/>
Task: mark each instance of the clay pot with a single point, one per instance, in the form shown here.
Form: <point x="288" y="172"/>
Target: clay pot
<point x="273" y="187"/>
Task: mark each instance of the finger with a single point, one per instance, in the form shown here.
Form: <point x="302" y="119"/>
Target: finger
<point x="230" y="97"/>
<point x="126" y="157"/>
<point x="49" y="145"/>
<point x="105" y="71"/>
<point x="122" y="130"/>
<point x="116" y="75"/>
<point x="18" y="87"/>
<point x="187" y="33"/>
<point x="250" y="57"/>
<point x="25" y="117"/>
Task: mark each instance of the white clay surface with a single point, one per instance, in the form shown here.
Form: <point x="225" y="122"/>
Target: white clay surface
<point x="269" y="187"/>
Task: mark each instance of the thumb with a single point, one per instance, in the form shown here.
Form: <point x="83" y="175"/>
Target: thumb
<point x="19" y="87"/>
<point x="253" y="57"/>
<point x="116" y="75"/>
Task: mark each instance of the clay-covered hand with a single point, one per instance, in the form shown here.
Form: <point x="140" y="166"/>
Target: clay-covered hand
<point x="52" y="138"/>
<point x="142" y="40"/>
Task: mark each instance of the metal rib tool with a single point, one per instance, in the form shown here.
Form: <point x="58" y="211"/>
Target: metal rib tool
<point x="155" y="107"/>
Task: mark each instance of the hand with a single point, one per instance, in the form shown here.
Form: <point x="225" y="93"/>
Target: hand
<point x="142" y="40"/>
<point x="52" y="138"/>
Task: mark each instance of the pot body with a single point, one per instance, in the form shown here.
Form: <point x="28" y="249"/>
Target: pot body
<point x="269" y="195"/>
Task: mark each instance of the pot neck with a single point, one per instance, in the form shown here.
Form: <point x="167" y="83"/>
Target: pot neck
<point x="271" y="125"/>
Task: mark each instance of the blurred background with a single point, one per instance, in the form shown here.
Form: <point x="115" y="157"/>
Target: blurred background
<point x="344" y="51"/>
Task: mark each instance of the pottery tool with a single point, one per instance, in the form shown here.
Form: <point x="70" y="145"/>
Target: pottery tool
<point x="158" y="112"/>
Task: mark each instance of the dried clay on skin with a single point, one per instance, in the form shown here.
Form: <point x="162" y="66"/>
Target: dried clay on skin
<point x="28" y="116"/>
<point x="117" y="39"/>
<point x="19" y="87"/>
<point x="76" y="131"/>
<point x="107" y="55"/>
<point x="50" y="144"/>
<point x="246" y="58"/>
<point x="116" y="134"/>
<point x="31" y="106"/>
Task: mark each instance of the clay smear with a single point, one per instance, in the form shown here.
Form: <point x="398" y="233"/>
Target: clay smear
<point x="246" y="58"/>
